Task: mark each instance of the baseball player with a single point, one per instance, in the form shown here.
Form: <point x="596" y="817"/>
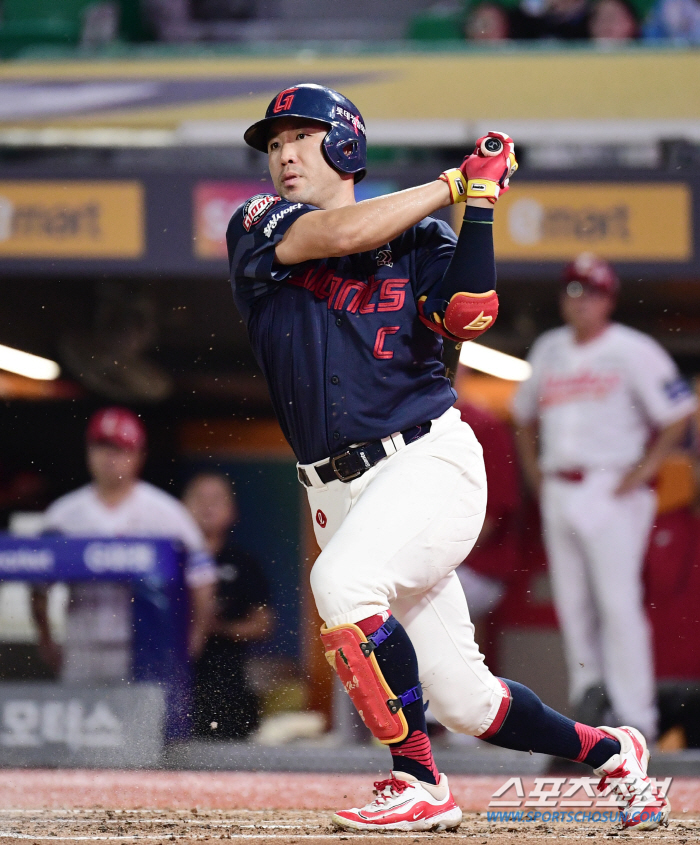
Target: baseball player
<point x="345" y="304"/>
<point x="608" y="405"/>
<point x="117" y="504"/>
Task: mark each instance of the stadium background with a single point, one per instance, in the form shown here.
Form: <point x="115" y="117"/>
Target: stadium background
<point x="120" y="165"/>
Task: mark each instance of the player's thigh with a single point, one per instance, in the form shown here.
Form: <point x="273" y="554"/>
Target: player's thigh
<point x="566" y="553"/>
<point x="413" y="523"/>
<point x="463" y="694"/>
<point x="617" y="552"/>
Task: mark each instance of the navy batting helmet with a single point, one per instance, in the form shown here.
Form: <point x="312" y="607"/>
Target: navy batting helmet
<point x="345" y="145"/>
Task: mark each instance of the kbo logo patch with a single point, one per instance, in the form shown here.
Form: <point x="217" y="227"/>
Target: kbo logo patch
<point x="256" y="208"/>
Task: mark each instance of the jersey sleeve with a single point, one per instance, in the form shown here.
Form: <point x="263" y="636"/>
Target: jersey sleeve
<point x="200" y="568"/>
<point x="435" y="245"/>
<point x="665" y="395"/>
<point x="253" y="233"/>
<point x="525" y="402"/>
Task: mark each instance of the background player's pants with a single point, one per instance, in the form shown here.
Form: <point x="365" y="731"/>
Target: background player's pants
<point x="392" y="539"/>
<point x="596" y="544"/>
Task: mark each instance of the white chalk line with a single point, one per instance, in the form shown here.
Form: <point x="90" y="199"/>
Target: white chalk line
<point x="231" y="823"/>
<point x="304" y="836"/>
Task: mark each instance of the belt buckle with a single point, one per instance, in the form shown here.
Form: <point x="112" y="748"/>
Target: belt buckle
<point x="338" y="472"/>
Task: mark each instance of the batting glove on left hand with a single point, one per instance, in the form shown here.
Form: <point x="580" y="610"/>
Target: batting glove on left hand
<point x="488" y="169"/>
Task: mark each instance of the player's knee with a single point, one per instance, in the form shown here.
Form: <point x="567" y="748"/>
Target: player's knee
<point x="463" y="716"/>
<point x="323" y="584"/>
<point x="338" y="593"/>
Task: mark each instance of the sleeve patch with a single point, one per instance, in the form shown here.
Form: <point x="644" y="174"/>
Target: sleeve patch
<point x="277" y="216"/>
<point x="256" y="208"/>
<point x="677" y="389"/>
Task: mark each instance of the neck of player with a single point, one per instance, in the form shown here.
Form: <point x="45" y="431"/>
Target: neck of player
<point x="113" y="492"/>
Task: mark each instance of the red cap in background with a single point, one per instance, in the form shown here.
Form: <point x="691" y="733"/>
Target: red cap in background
<point x="118" y="427"/>
<point x="591" y="272"/>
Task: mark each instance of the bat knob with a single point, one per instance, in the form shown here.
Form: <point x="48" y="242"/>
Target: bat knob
<point x="491" y="146"/>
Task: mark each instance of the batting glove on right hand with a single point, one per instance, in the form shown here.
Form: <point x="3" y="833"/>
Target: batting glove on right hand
<point x="488" y="169"/>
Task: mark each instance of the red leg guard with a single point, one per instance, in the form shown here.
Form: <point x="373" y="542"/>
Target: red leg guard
<point x="364" y="682"/>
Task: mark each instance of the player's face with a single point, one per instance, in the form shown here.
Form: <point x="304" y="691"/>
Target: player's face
<point x="210" y="502"/>
<point x="587" y="312"/>
<point x="299" y="170"/>
<point x="111" y="466"/>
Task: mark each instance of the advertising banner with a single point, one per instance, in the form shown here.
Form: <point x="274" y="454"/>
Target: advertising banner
<point x="50" y="724"/>
<point x="71" y="219"/>
<point x="623" y="221"/>
<point x="214" y="204"/>
<point x="434" y="90"/>
<point x="174" y="225"/>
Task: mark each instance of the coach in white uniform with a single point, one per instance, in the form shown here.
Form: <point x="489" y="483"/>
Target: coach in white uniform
<point x="118" y="504"/>
<point x="603" y="408"/>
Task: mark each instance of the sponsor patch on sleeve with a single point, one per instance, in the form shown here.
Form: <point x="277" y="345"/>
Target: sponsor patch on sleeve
<point x="256" y="208"/>
<point x="677" y="389"/>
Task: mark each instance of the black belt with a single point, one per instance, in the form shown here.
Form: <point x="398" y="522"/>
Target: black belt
<point x="355" y="461"/>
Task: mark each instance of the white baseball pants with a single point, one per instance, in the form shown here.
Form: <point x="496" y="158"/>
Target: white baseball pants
<point x="595" y="544"/>
<point x="392" y="539"/>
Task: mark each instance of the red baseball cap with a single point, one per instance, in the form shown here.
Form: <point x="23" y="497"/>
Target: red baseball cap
<point x="118" y="427"/>
<point x="593" y="273"/>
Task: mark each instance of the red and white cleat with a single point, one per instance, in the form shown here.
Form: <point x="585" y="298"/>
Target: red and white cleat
<point x="645" y="808"/>
<point x="404" y="803"/>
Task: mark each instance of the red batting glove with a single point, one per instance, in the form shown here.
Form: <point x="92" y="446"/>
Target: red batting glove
<point x="489" y="168"/>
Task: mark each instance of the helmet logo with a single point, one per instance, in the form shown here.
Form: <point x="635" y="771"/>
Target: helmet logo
<point x="284" y="100"/>
<point x="352" y="119"/>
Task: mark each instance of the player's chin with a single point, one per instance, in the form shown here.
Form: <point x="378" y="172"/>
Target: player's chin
<point x="291" y="193"/>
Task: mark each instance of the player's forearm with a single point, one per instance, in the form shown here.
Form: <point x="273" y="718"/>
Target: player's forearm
<point x="202" y="600"/>
<point x="473" y="265"/>
<point x="257" y="625"/>
<point x="39" y="605"/>
<point x="669" y="439"/>
<point x="528" y="452"/>
<point x="361" y="227"/>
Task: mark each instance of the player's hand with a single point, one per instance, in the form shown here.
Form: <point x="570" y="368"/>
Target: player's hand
<point x="51" y="653"/>
<point x="489" y="168"/>
<point x="635" y="478"/>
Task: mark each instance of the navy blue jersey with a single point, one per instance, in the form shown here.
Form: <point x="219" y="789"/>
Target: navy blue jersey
<point x="339" y="340"/>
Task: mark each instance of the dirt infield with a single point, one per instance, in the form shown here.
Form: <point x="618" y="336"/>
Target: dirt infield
<point x="280" y="826"/>
<point x="166" y="807"/>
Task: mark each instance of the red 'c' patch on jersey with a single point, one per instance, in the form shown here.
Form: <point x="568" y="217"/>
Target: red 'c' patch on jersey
<point x="321" y="518"/>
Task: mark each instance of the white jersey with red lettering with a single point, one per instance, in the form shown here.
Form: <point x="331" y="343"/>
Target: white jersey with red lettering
<point x="98" y="631"/>
<point x="598" y="402"/>
<point x="598" y="405"/>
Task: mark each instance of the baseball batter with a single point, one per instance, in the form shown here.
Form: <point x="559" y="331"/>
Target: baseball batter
<point x="608" y="404"/>
<point x="345" y="304"/>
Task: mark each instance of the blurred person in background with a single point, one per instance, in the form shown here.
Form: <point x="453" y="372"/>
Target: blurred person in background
<point x="613" y="20"/>
<point x="603" y="408"/>
<point x="484" y="574"/>
<point x="567" y="20"/>
<point x="674" y="20"/>
<point x="488" y="22"/>
<point x="225" y="706"/>
<point x="117" y="503"/>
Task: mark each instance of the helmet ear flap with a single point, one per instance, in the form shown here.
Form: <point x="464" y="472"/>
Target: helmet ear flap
<point x="342" y="152"/>
<point x="350" y="149"/>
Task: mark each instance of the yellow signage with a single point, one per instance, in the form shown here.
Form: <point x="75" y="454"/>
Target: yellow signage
<point x="553" y="83"/>
<point x="620" y="221"/>
<point x="71" y="219"/>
